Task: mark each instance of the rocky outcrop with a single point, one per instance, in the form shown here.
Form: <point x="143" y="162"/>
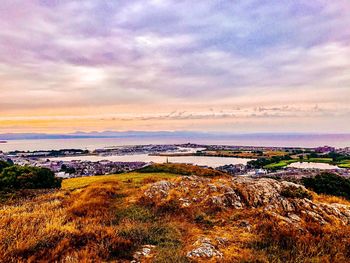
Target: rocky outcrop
<point x="159" y="189"/>
<point x="204" y="248"/>
<point x="286" y="201"/>
<point x="145" y="252"/>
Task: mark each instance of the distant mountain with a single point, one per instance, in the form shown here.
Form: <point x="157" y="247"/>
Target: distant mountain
<point x="104" y="134"/>
<point x="174" y="134"/>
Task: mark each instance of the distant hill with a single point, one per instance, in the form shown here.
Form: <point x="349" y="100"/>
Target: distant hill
<point x="184" y="134"/>
<point x="104" y="134"/>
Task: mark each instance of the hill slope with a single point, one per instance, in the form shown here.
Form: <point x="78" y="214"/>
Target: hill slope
<point x="162" y="217"/>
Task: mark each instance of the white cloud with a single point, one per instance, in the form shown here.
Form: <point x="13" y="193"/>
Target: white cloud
<point x="159" y="56"/>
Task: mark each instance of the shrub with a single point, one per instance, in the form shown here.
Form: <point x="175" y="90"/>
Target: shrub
<point x="328" y="183"/>
<point x="182" y="169"/>
<point x="25" y="177"/>
<point x="295" y="192"/>
<point x="261" y="162"/>
<point x="4" y="165"/>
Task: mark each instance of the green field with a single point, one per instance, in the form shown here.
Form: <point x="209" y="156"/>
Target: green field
<point x="134" y="177"/>
<point x="344" y="164"/>
<point x="284" y="163"/>
<point x="341" y="164"/>
<point x="319" y="160"/>
<point x="280" y="164"/>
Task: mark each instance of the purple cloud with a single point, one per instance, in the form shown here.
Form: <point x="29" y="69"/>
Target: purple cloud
<point x="177" y="52"/>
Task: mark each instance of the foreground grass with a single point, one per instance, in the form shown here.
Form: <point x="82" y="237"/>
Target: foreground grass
<point x="80" y="222"/>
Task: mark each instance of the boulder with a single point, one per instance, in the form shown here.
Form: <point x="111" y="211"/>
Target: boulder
<point x="204" y="249"/>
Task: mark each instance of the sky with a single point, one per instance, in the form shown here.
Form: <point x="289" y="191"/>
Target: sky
<point x="230" y="66"/>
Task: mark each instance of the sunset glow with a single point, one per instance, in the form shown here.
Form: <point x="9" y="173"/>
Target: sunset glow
<point x="238" y="66"/>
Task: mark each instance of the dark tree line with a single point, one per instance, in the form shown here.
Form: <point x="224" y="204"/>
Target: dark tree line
<point x="328" y="183"/>
<point x="261" y="162"/>
<point x="26" y="177"/>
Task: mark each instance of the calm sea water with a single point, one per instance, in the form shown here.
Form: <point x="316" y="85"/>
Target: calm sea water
<point x="251" y="140"/>
<point x="305" y="165"/>
<point x="197" y="160"/>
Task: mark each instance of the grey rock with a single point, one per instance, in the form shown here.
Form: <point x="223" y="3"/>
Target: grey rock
<point x="204" y="249"/>
<point x="246" y="192"/>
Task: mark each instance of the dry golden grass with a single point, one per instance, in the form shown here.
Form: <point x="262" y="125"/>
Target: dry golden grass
<point x="70" y="225"/>
<point x="58" y="226"/>
<point x="136" y="178"/>
<point x="329" y="199"/>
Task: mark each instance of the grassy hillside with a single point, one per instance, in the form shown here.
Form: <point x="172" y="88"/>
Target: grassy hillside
<point x="133" y="178"/>
<point x="181" y="169"/>
<point x="109" y="218"/>
<point x="77" y="222"/>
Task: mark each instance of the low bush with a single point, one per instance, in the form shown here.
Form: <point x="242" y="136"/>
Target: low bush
<point x="182" y="169"/>
<point x="296" y="192"/>
<point x="261" y="162"/>
<point x="328" y="183"/>
<point x="25" y="177"/>
<point x="4" y="165"/>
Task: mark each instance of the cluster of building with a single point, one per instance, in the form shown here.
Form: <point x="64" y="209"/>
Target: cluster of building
<point x="287" y="172"/>
<point x="325" y="149"/>
<point x="233" y="169"/>
<point x="298" y="173"/>
<point x="345" y="151"/>
<point x="52" y="153"/>
<point x="88" y="168"/>
<point x="77" y="168"/>
<point x="136" y="149"/>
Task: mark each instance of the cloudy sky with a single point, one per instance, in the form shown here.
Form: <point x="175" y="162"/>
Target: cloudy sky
<point x="234" y="66"/>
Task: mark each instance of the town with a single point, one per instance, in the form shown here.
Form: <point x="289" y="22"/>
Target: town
<point x="271" y="161"/>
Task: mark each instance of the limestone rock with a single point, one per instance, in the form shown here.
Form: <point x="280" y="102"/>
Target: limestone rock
<point x="159" y="189"/>
<point x="204" y="249"/>
<point x="245" y="192"/>
<point x="144" y="252"/>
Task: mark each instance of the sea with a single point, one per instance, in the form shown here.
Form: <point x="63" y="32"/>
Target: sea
<point x="99" y="143"/>
<point x="310" y="141"/>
